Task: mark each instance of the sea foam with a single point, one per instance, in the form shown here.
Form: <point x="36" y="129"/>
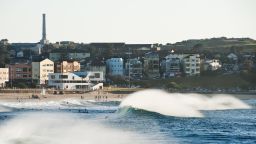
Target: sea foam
<point x="179" y="104"/>
<point x="58" y="128"/>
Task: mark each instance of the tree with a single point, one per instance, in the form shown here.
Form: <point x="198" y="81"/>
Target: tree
<point x="4" y="55"/>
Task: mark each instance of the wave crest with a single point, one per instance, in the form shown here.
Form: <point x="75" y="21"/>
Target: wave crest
<point x="180" y="105"/>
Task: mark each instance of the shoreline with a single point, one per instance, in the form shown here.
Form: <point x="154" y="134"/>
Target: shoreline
<point x="98" y="95"/>
<point x="27" y="97"/>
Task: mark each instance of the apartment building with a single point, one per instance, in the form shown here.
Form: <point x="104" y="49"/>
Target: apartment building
<point x="191" y="64"/>
<point x="4" y="76"/>
<point x="134" y="68"/>
<point x="20" y="70"/>
<point x="41" y="69"/>
<point x="115" y="66"/>
<point x="151" y="65"/>
<point x="66" y="66"/>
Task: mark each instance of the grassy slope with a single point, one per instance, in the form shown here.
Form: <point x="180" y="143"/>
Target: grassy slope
<point x="220" y="81"/>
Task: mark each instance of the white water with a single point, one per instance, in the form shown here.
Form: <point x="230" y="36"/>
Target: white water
<point x="56" y="128"/>
<point x="62" y="104"/>
<point x="180" y="105"/>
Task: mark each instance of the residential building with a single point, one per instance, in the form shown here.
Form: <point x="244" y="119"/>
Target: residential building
<point x="4" y="76"/>
<point x="20" y="70"/>
<point x="115" y="66"/>
<point x="171" y="67"/>
<point x="71" y="56"/>
<point x="211" y="65"/>
<point x="74" y="81"/>
<point x="66" y="66"/>
<point x="232" y="57"/>
<point x="151" y="65"/>
<point x="98" y="65"/>
<point x="41" y="69"/>
<point x="133" y="68"/>
<point x="191" y="64"/>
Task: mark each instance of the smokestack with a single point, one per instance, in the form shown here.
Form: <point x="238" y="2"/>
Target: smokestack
<point x="44" y="40"/>
<point x="44" y="28"/>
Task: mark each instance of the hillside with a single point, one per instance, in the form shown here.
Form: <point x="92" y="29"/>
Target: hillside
<point x="221" y="45"/>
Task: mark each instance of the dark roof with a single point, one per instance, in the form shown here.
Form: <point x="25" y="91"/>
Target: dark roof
<point x="19" y="61"/>
<point x="37" y="58"/>
<point x="97" y="62"/>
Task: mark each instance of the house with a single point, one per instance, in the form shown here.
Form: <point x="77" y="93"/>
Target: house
<point x="191" y="64"/>
<point x="70" y="56"/>
<point x="151" y="65"/>
<point x="74" y="81"/>
<point x="20" y="54"/>
<point x="115" y="66"/>
<point x="41" y="69"/>
<point x="211" y="65"/>
<point x="134" y="68"/>
<point x="4" y="76"/>
<point x="66" y="66"/>
<point x="232" y="57"/>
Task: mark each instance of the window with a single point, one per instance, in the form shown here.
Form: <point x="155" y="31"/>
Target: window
<point x="97" y="75"/>
<point x="63" y="76"/>
<point x="52" y="76"/>
<point x="19" y="69"/>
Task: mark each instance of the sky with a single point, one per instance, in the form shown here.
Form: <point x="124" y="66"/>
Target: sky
<point x="130" y="21"/>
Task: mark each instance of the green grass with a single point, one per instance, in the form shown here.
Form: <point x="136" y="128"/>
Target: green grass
<point x="219" y="81"/>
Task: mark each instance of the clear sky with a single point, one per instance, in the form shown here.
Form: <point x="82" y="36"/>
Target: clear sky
<point x="131" y="21"/>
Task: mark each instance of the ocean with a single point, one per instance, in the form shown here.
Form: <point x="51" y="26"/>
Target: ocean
<point x="150" y="117"/>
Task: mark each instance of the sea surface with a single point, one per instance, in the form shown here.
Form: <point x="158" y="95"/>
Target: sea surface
<point x="113" y="122"/>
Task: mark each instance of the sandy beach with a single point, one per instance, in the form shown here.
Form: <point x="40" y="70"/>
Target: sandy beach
<point x="26" y="97"/>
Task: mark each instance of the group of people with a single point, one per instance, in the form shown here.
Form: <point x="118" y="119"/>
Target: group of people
<point x="101" y="97"/>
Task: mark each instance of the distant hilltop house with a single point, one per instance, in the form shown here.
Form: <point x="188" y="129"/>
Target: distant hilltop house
<point x="68" y="56"/>
<point x="232" y="57"/>
<point x="211" y="65"/>
<point x="41" y="69"/>
<point x="85" y="81"/>
<point x="4" y="76"/>
<point x="35" y="48"/>
<point x="115" y="66"/>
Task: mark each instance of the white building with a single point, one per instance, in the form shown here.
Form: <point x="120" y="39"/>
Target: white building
<point x="4" y="76"/>
<point x="41" y="70"/>
<point x="191" y="64"/>
<point x="75" y="81"/>
<point x="115" y="66"/>
<point x="212" y="65"/>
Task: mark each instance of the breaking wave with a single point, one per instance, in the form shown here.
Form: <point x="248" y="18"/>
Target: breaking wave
<point x="178" y="104"/>
<point x="56" y="128"/>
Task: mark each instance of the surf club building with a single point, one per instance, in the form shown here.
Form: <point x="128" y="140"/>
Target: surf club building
<point x="76" y="81"/>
